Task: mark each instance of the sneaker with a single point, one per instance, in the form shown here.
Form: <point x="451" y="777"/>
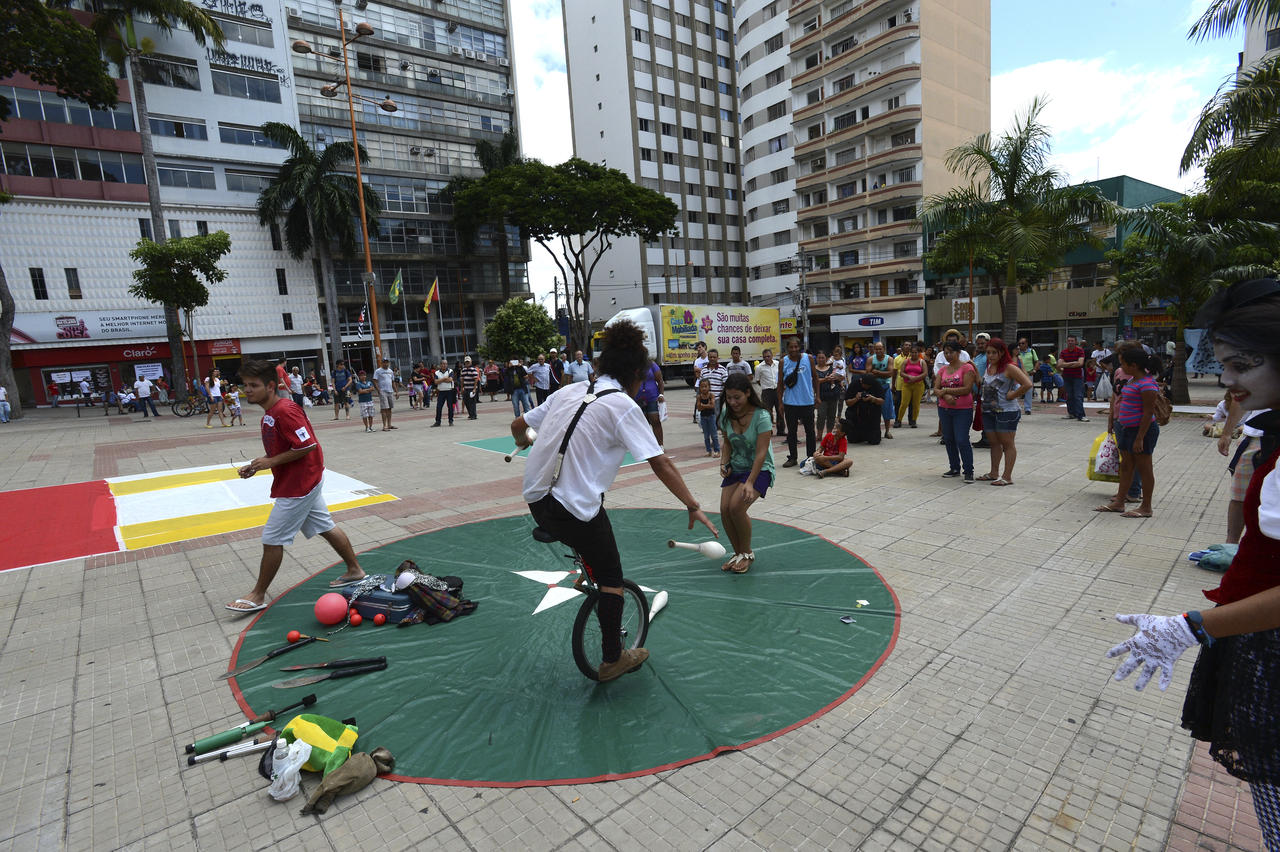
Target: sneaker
<point x="952" y="473"/>
<point x="791" y="462"/>
<point x="630" y="660"/>
<point x="435" y="425"/>
<point x="1084" y="419"/>
<point x="968" y="479"/>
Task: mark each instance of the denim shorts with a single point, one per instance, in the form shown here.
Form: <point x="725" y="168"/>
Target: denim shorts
<point x="650" y="407"/>
<point x="1000" y="421"/>
<point x="1125" y="436"/>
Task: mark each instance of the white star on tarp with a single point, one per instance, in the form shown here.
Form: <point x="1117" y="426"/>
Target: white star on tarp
<point x="555" y="593"/>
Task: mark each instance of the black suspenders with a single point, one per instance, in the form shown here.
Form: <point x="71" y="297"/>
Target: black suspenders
<point x="591" y="397"/>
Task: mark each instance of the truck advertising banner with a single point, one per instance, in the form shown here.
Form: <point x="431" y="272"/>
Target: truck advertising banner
<point x="719" y="326"/>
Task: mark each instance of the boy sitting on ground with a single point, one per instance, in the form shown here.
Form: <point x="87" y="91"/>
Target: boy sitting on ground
<point x="830" y="460"/>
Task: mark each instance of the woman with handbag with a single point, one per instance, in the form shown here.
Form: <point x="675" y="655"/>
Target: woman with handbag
<point x="1233" y="699"/>
<point x="1132" y="419"/>
<point x="914" y="374"/>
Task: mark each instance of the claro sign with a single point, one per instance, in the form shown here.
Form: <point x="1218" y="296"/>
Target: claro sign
<point x="66" y="326"/>
<point x="149" y="352"/>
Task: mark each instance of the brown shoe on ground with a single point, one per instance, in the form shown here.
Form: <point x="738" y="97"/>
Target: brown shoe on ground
<point x="631" y="659"/>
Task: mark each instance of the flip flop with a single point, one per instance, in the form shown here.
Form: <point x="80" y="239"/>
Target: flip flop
<point x="1107" y="507"/>
<point x="249" y="607"/>
<point x="986" y="477"/>
<point x="728" y="564"/>
<point x="342" y="584"/>
<point x="743" y="565"/>
<point x="1001" y="481"/>
<point x="1134" y="513"/>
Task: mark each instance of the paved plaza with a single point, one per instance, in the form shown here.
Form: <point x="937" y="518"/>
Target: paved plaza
<point x="993" y="723"/>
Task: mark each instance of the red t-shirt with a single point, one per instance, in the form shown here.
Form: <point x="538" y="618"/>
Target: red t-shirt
<point x="1072" y="353"/>
<point x="832" y="447"/>
<point x="282" y="377"/>
<point x="285" y="427"/>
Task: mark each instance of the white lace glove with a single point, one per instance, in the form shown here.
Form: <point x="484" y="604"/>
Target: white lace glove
<point x="1158" y="644"/>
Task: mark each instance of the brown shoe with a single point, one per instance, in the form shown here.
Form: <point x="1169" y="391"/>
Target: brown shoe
<point x="631" y="659"/>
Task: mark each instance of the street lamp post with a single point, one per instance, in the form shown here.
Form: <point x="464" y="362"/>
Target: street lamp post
<point x="387" y="105"/>
<point x="804" y="299"/>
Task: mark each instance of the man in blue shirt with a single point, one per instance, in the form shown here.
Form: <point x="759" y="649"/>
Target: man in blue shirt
<point x="342" y="380"/>
<point x="577" y="370"/>
<point x="798" y="377"/>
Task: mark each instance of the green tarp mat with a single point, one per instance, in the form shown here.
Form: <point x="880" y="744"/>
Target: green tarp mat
<point x="494" y="698"/>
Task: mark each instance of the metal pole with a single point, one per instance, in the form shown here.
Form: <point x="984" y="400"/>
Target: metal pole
<point x="364" y="221"/>
<point x="971" y="295"/>
<point x="804" y="301"/>
<point x="404" y="313"/>
<point x="462" y="321"/>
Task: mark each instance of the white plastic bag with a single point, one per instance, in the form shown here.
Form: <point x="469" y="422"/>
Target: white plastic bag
<point x="662" y="410"/>
<point x="306" y="401"/>
<point x="1102" y="392"/>
<point x="286" y="770"/>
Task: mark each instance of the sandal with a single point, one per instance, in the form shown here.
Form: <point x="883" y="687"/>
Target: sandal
<point x="1134" y="513"/>
<point x="1107" y="507"/>
<point x="744" y="561"/>
<point x="728" y="564"/>
<point x="1001" y="481"/>
<point x="986" y="477"/>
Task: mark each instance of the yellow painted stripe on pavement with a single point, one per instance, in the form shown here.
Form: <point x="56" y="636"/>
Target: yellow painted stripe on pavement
<point x="169" y="530"/>
<point x="172" y="480"/>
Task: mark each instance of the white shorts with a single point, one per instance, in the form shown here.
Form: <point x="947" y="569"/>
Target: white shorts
<point x="308" y="515"/>
<point x="366" y="409"/>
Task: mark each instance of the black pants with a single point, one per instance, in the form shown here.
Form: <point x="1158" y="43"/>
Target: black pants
<point x="596" y="545"/>
<point x="542" y="394"/>
<point x="801" y="415"/>
<point x="769" y="396"/>
<point x="469" y="400"/>
<point x="444" y="400"/>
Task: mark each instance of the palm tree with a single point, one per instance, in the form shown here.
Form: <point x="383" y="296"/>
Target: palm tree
<point x="1032" y="216"/>
<point x="318" y="204"/>
<point x="467" y="221"/>
<point x="114" y="26"/>
<point x="1176" y="254"/>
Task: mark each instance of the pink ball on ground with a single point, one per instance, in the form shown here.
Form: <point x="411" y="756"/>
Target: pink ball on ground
<point x="331" y="608"/>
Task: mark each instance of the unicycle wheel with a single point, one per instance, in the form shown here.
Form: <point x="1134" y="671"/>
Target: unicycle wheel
<point x="586" y="628"/>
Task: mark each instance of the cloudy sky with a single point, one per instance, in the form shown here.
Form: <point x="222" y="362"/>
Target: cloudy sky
<point x="1124" y="85"/>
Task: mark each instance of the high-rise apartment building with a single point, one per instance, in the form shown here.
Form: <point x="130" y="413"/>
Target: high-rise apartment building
<point x="447" y="65"/>
<point x="846" y="111"/>
<point x="652" y="93"/>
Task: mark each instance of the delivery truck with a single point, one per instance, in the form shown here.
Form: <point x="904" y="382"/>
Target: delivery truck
<point x="672" y="331"/>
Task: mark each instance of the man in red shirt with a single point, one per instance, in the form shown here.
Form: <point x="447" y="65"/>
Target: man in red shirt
<point x="282" y="379"/>
<point x="297" y="466"/>
<point x="1071" y="365"/>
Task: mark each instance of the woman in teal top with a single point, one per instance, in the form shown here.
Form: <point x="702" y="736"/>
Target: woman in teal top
<point x="746" y="463"/>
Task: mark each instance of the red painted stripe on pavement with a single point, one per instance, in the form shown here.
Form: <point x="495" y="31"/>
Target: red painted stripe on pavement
<point x="58" y="522"/>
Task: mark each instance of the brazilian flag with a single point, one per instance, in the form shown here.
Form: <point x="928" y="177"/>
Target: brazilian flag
<point x="395" y="288"/>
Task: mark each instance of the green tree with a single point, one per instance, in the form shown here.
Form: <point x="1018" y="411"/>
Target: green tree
<point x="519" y="329"/>
<point x="318" y="204"/>
<point x="1023" y="203"/>
<point x="115" y="25"/>
<point x="481" y="211"/>
<point x="1175" y="254"/>
<point x="173" y="273"/>
<point x="575" y="211"/>
<point x="50" y="47"/>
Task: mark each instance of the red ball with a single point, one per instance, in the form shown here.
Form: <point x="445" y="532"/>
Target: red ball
<point x="331" y="608"/>
<point x="379" y="619"/>
<point x="356" y="619"/>
<point x="293" y="636"/>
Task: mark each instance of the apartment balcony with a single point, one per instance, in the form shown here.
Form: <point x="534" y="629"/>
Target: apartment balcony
<point x="815" y="180"/>
<point x="836" y="26"/>
<point x="859" y="237"/>
<point x="868" y="304"/>
<point x="909" y="114"/>
<point x="908" y="190"/>
<point x="808" y="75"/>
<point x="906" y="71"/>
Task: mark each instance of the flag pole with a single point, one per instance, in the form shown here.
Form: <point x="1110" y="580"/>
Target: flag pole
<point x="405" y="314"/>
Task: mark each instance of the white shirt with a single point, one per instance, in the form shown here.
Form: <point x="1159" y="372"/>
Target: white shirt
<point x="215" y="388"/>
<point x="143" y="387"/>
<point x="84" y="387"/>
<point x="295" y="382"/>
<point x="767" y="375"/>
<point x="4" y="394"/>
<point x="941" y="360"/>
<point x="384" y="379"/>
<point x="1098" y="354"/>
<point x="738" y="367"/>
<point x="839" y="365"/>
<point x="611" y="426"/>
<point x="1269" y="506"/>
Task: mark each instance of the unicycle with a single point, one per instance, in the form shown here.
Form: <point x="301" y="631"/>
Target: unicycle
<point x="586" y="637"/>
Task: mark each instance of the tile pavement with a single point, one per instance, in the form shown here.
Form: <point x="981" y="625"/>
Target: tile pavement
<point x="993" y="724"/>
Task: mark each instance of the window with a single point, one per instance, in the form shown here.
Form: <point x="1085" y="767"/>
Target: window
<point x="731" y="168"/>
<point x="646" y="154"/>
<point x="882" y="217"/>
<point x="813" y="96"/>
<point x="202" y="228"/>
<point x="713" y="191"/>
<point x="282" y="285"/>
<point x="692" y="189"/>
<point x="892" y="103"/>
<point x="702" y="27"/>
<point x="815" y="130"/>
<point x="175" y="229"/>
<point x="840" y="122"/>
<point x="668" y="158"/>
<point x="782" y="206"/>
<point x="144" y="228"/>
<point x="667" y="129"/>
<point x="777" y="110"/>
<point x="253" y="182"/>
<point x="843" y="83"/>
<point x="810" y="25"/>
<point x="907" y="249"/>
<point x="769" y="11"/>
<point x="723" y="61"/>
<point x="726" y="115"/>
<point x="189" y="177"/>
<point x="723" y="88"/>
<point x="689" y="133"/>
<point x="845" y="190"/>
<point x="172" y="72"/>
<point x="727" y="141"/>
<point x="73" y="284"/>
<point x="694" y="216"/>
<point x="782" y="238"/>
<point x="778" y="175"/>
<point x="644" y="124"/>
<point x="849" y="258"/>
<point x="1273" y="39"/>
<point x="904" y="214"/>
<point x="236" y="134"/>
<point x="245" y="32"/>
<point x="38" y="287"/>
<point x="276" y="243"/>
<point x="178" y="128"/>
<point x="773" y="44"/>
<point x="817" y="164"/>
<point x="639" y="35"/>
<point x="820" y="229"/>
<point x="866" y="113"/>
<point x="708" y="138"/>
<point x="782" y="268"/>
<point x="907" y="137"/>
<point x="777" y="143"/>
<point x="287" y="321"/>
<point x="47" y="106"/>
<point x="251" y="87"/>
<point x="713" y="219"/>
<point x="722" y="34"/>
<point x="847" y="224"/>
<point x="371" y="62"/>
<point x="903" y="286"/>
<point x="730" y="194"/>
<point x="813" y="60"/>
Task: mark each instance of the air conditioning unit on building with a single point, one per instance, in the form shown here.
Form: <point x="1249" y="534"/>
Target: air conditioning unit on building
<point x="292" y="12"/>
<point x="469" y="53"/>
<point x="455" y="50"/>
<point x="483" y="57"/>
<point x="504" y="62"/>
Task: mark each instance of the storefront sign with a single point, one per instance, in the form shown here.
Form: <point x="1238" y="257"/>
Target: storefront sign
<point x="964" y="311"/>
<point x="60" y="378"/>
<point x="911" y="320"/>
<point x="753" y="329"/>
<point x="224" y="347"/>
<point x="153" y="370"/>
<point x="1152" y="321"/>
<point x="787" y="325"/>
<point x="1077" y="314"/>
<point x="86" y="325"/>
